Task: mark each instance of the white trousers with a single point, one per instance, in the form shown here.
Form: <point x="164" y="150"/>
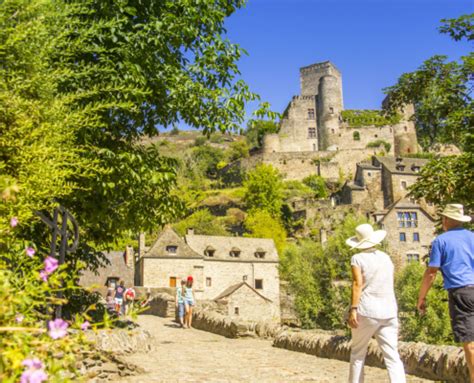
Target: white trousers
<point x="386" y="334"/>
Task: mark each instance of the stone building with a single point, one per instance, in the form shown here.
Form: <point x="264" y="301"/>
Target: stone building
<point x="215" y="262"/>
<point x="318" y="137"/>
<point x="380" y="191"/>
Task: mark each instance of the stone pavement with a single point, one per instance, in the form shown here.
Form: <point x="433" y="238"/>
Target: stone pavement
<point x="197" y="356"/>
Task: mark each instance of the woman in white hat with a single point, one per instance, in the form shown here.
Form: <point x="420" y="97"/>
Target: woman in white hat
<point x="373" y="310"/>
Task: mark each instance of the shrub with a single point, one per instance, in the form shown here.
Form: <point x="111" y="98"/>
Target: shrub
<point x="378" y="143"/>
<point x="203" y="222"/>
<point x="261" y="224"/>
<point x="317" y="185"/>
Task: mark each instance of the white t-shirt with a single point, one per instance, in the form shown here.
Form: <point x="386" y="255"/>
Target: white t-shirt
<point x="378" y="297"/>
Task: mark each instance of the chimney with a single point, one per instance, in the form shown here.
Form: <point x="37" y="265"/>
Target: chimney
<point x="190" y="231"/>
<point x="130" y="257"/>
<point x="141" y="245"/>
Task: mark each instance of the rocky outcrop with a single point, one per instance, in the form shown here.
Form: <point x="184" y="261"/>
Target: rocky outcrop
<point x="445" y="363"/>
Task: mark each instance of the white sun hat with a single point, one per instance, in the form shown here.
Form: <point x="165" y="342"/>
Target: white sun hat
<point x="366" y="237"/>
<point x="455" y="211"/>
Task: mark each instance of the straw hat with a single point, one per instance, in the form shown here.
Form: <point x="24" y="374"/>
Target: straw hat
<point x="455" y="211"/>
<point x="366" y="237"/>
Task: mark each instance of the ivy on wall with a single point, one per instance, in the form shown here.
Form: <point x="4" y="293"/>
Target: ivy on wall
<point x="357" y="118"/>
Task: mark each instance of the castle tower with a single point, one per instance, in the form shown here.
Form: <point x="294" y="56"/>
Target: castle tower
<point x="329" y="107"/>
<point x="405" y="139"/>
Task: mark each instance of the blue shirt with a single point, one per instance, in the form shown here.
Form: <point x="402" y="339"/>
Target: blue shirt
<point x="179" y="294"/>
<point x="453" y="253"/>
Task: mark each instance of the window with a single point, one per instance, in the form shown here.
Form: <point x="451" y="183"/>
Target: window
<point x="416" y="237"/>
<point x="244" y="278"/>
<point x="400" y="167"/>
<point x="416" y="169"/>
<point x="208" y="282"/>
<point x="356" y="136"/>
<point x="209" y="251"/>
<point x="333" y="131"/>
<point x="311" y="132"/>
<point x="235" y="252"/>
<point x="171" y="249"/>
<point x="403" y="237"/>
<point x="314" y="147"/>
<point x="376" y="135"/>
<point x="404" y="185"/>
<point x="172" y="281"/>
<point x="331" y="110"/>
<point x="112" y="282"/>
<point x="259" y="284"/>
<point x="311" y="114"/>
<point x="407" y="219"/>
<point x="236" y="310"/>
<point x="405" y="128"/>
<point x="369" y="174"/>
<point x="413" y="257"/>
<point x="260" y="253"/>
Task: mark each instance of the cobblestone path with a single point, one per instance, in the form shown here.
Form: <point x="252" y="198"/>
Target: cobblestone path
<point x="198" y="356"/>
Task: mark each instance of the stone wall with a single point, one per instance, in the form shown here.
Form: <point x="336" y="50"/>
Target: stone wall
<point x="445" y="363"/>
<point x="162" y="305"/>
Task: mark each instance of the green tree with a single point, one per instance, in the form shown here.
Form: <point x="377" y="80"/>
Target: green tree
<point x="203" y="222"/>
<point x="318" y="185"/>
<point x="264" y="190"/>
<point x="261" y="224"/>
<point x="208" y="159"/>
<point x="441" y="92"/>
<point x="434" y="327"/>
<point x="238" y="150"/>
<point x="256" y="130"/>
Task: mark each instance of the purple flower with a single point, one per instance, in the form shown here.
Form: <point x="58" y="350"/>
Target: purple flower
<point x="13" y="221"/>
<point x="50" y="264"/>
<point x="30" y="252"/>
<point x="33" y="376"/>
<point x="57" y="328"/>
<point x="19" y="318"/>
<point x="34" y="372"/>
<point x="44" y="275"/>
<point x="85" y="326"/>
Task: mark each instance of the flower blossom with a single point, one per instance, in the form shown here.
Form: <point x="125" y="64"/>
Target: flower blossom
<point x="50" y="264"/>
<point x="34" y="373"/>
<point x="44" y="275"/>
<point x="13" y="221"/>
<point x="30" y="252"/>
<point x="57" y="328"/>
<point x="19" y="318"/>
<point x="85" y="326"/>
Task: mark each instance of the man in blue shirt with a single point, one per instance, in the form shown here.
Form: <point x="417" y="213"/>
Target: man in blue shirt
<point x="453" y="253"/>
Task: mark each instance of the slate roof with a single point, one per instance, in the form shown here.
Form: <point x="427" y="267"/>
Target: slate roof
<point x="405" y="203"/>
<point x="232" y="289"/>
<point x="224" y="245"/>
<point x="168" y="237"/>
<point x="393" y="164"/>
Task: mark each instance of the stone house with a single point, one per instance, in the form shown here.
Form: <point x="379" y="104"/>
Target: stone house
<point x="242" y="301"/>
<point x="316" y="138"/>
<point x="215" y="262"/>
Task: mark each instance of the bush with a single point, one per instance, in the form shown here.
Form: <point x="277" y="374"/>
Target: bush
<point x="317" y="185"/>
<point x="238" y="150"/>
<point x="378" y="143"/>
<point x="261" y="224"/>
<point x="203" y="222"/>
<point x="295" y="188"/>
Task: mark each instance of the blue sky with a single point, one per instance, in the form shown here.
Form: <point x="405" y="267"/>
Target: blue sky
<point x="372" y="42"/>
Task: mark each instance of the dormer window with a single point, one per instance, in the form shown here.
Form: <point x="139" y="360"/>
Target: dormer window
<point x="172" y="249"/>
<point x="235" y="252"/>
<point x="209" y="251"/>
<point x="260" y="253"/>
<point x="416" y="169"/>
<point x="400" y="167"/>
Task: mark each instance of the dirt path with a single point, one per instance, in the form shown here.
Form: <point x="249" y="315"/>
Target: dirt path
<point x="198" y="356"/>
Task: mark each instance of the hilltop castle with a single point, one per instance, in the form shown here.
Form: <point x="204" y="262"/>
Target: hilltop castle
<point x="318" y="136"/>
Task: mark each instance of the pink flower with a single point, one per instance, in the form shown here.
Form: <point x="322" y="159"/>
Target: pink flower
<point x="57" y="328"/>
<point x="30" y="252"/>
<point x="50" y="264"/>
<point x="19" y="318"/>
<point x="34" y="372"/>
<point x="13" y="221"/>
<point x="85" y="326"/>
<point x="44" y="275"/>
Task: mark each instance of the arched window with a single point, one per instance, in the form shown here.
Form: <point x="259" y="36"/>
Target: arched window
<point x="356" y="136"/>
<point x="235" y="252"/>
<point x="209" y="251"/>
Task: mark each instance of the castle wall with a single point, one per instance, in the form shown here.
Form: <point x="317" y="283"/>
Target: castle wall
<point x="367" y="134"/>
<point x="329" y="106"/>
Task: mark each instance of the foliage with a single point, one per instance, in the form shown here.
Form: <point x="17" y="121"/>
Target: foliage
<point x="264" y="190"/>
<point x="441" y="92"/>
<point x="317" y="184"/>
<point x="238" y="150"/>
<point x="199" y="141"/>
<point x="261" y="224"/>
<point x="447" y="180"/>
<point x="256" y="131"/>
<point x="207" y="159"/>
<point x="203" y="222"/>
<point x="434" y="327"/>
<point x="357" y="118"/>
<point x="294" y="188"/>
<point x="174" y="131"/>
<point x="378" y="143"/>
<point x="425" y="155"/>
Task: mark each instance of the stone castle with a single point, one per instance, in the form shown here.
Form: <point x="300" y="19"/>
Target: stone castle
<point x="318" y="136"/>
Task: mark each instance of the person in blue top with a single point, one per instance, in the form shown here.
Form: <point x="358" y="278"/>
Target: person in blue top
<point x="180" y="302"/>
<point x="189" y="301"/>
<point x="453" y="253"/>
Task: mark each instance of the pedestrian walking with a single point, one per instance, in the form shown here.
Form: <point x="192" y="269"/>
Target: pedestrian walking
<point x="119" y="292"/>
<point x="130" y="296"/>
<point x="179" y="301"/>
<point x="453" y="253"/>
<point x="189" y="301"/>
<point x="373" y="309"/>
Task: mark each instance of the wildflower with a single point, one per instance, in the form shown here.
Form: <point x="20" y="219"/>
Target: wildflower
<point x="13" y="221"/>
<point x="19" y="318"/>
<point x="85" y="326"/>
<point x="57" y="328"/>
<point x="44" y="275"/>
<point x="34" y="373"/>
<point x="50" y="264"/>
<point x="30" y="252"/>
